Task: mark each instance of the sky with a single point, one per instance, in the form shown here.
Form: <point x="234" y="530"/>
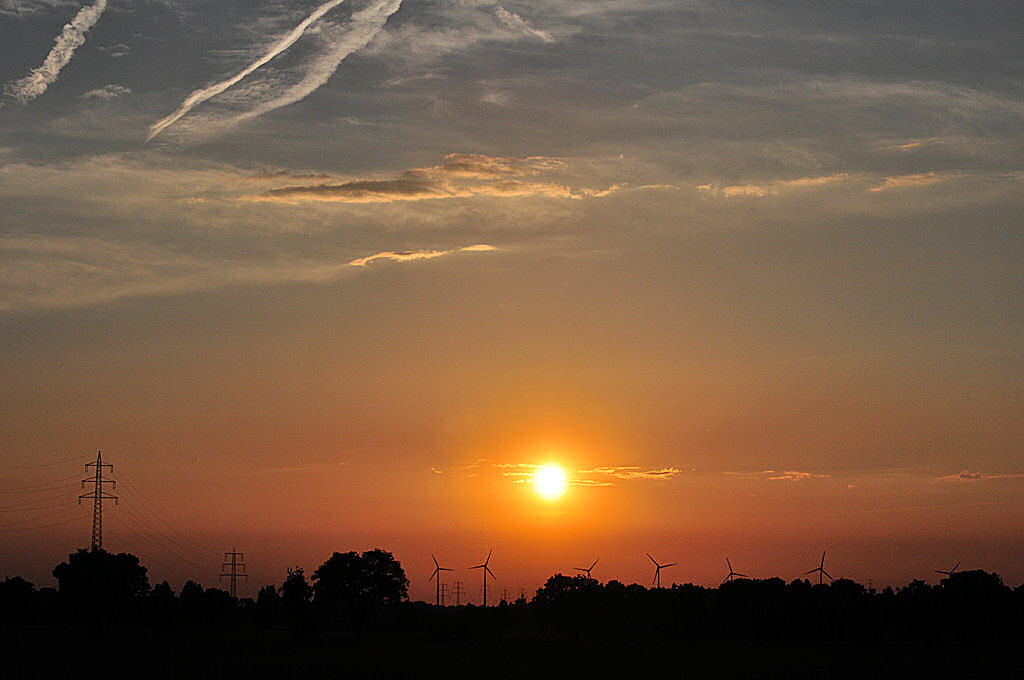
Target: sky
<point x="330" y="276"/>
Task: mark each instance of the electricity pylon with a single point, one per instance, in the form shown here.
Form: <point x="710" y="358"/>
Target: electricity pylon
<point x="98" y="495"/>
<point x="235" y="561"/>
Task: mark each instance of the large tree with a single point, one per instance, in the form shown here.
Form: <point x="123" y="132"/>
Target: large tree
<point x="354" y="583"/>
<point x="100" y="582"/>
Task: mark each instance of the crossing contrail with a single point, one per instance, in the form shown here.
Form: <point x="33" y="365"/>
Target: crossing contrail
<point x="362" y="28"/>
<point x="200" y="96"/>
<point x="70" y="39"/>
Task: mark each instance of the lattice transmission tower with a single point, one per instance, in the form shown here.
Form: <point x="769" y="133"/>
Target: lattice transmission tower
<point x="234" y="560"/>
<point x="98" y="495"/>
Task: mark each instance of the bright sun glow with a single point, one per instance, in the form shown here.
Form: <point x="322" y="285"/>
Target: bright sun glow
<point x="550" y="481"/>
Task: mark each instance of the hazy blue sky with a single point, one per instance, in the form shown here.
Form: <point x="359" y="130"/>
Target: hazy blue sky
<point x="752" y="271"/>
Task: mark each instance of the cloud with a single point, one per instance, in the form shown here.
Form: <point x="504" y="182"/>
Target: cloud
<point x="518" y="24"/>
<point x="905" y="181"/>
<point x="199" y="96"/>
<point x="112" y="91"/>
<point x="972" y="476"/>
<point x="413" y="255"/>
<point x="115" y="51"/>
<point x="343" y="41"/>
<point x="773" y="187"/>
<point x="631" y="472"/>
<point x="70" y="39"/>
<point x="792" y="476"/>
<point x="458" y="176"/>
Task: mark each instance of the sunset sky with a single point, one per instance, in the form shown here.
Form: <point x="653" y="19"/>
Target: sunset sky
<point x="328" y="276"/>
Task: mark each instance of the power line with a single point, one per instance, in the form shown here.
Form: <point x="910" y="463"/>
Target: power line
<point x="52" y="485"/>
<point x="65" y="460"/>
<point x="174" y="529"/>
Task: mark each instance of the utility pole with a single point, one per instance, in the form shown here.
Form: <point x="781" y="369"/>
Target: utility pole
<point x="98" y="495"/>
<point x="504" y="594"/>
<point x="458" y="593"/>
<point x="235" y="560"/>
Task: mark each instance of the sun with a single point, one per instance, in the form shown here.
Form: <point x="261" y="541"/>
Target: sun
<point x="550" y="481"/>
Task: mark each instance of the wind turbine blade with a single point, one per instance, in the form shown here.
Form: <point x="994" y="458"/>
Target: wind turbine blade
<point x="729" y="563"/>
<point x="954" y="568"/>
<point x="827" y="574"/>
<point x="743" y="575"/>
<point x="670" y="564"/>
<point x="822" y="558"/>
<point x="652" y="560"/>
<point x="594" y="564"/>
<point x="488" y="556"/>
<point x="488" y="570"/>
<point x="811" y="571"/>
<point x="433" y="575"/>
<point x="435" y="559"/>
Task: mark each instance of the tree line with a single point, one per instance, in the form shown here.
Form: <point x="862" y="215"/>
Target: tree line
<point x="360" y="592"/>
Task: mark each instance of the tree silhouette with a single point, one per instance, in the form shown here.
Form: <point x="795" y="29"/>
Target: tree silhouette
<point x="352" y="584"/>
<point x="96" y="585"/>
<point x="16" y="595"/>
<point x="295" y="596"/>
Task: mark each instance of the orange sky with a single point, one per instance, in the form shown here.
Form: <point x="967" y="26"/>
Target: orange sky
<point x="752" y="275"/>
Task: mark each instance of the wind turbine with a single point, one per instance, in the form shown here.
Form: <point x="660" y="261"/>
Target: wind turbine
<point x="732" y="573"/>
<point x="486" y="570"/>
<point x="437" y="574"/>
<point x="820" y="569"/>
<point x="657" y="570"/>
<point x="587" y="569"/>
<point x="949" y="574"/>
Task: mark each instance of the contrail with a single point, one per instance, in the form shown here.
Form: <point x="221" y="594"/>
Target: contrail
<point x="200" y="96"/>
<point x="363" y="26"/>
<point x="70" y="39"/>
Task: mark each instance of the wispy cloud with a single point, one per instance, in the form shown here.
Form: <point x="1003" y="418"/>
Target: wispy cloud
<point x="518" y="24"/>
<point x="631" y="472"/>
<point x="458" y="176"/>
<point x="972" y="476"/>
<point x="778" y="475"/>
<point x="413" y="255"/>
<point x="342" y="41"/>
<point x="774" y="187"/>
<point x="792" y="475"/>
<point x="70" y="39"/>
<point x="905" y="181"/>
<point x="112" y="91"/>
<point x="199" y="96"/>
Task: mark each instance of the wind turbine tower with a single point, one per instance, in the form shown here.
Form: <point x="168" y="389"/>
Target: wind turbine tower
<point x="732" y="574"/>
<point x="820" y="570"/>
<point x="657" y="570"/>
<point x="437" y="575"/>
<point x="485" y="570"/>
<point x="587" y="569"/>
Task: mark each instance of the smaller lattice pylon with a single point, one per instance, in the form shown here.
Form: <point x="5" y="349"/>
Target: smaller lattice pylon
<point x="234" y="560"/>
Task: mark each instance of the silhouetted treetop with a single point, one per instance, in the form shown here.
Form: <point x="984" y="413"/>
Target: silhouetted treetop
<point x="99" y="576"/>
<point x="348" y="579"/>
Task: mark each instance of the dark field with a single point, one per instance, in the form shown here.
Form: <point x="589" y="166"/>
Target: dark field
<point x="139" y="653"/>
